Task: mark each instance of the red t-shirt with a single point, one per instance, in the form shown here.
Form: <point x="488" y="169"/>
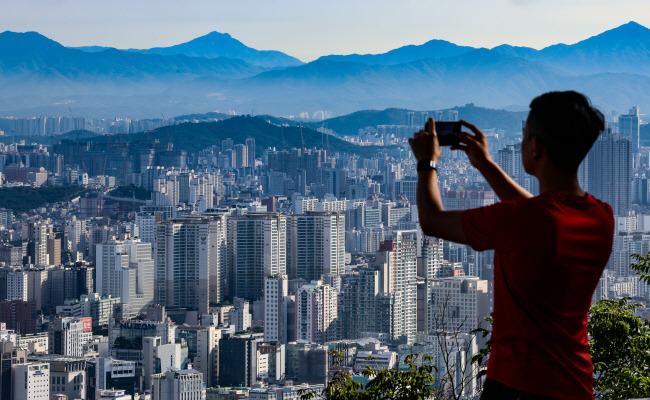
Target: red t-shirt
<point x="550" y="252"/>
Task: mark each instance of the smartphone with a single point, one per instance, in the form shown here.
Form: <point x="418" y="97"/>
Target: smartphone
<point x="448" y="132"/>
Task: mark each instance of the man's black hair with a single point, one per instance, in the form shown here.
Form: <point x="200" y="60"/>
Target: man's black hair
<point x="567" y="125"/>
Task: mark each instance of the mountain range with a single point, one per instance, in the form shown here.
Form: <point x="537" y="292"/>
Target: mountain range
<point x="216" y="72"/>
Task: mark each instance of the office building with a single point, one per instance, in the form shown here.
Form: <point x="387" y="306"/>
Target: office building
<point x="67" y="335"/>
<point x="31" y="381"/>
<point x="178" y="384"/>
<point x="67" y="375"/>
<point x="114" y="374"/>
<point x="238" y="360"/>
<point x="630" y="126"/>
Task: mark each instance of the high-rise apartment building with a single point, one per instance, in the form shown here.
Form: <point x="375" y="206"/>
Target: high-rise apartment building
<point x="125" y="269"/>
<point x="239" y="156"/>
<point x="429" y="267"/>
<point x="276" y="293"/>
<point x="256" y="249"/>
<point x="316" y="244"/>
<point x="397" y="259"/>
<point x="316" y="313"/>
<point x="610" y="171"/>
<point x="509" y="159"/>
<point x="190" y="261"/>
<point x="358" y="312"/>
<point x="250" y="149"/>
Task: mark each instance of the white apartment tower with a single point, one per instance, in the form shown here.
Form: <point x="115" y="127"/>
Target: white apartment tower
<point x="125" y="269"/>
<point x="190" y="261"/>
<point x="316" y="244"/>
<point x="429" y="268"/>
<point x="397" y="259"/>
<point x="316" y="310"/>
<point x="276" y="293"/>
<point x="256" y="249"/>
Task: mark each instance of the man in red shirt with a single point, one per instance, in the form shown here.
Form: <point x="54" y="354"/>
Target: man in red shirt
<point x="550" y="250"/>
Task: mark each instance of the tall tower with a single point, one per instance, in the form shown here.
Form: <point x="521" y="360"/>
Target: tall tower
<point x="250" y="145"/>
<point x="629" y="126"/>
<point x="256" y="249"/>
<point x="397" y="259"/>
<point x="125" y="269"/>
<point x="316" y="244"/>
<point x="276" y="295"/>
<point x="610" y="171"/>
<point x="509" y="159"/>
<point x="190" y="261"/>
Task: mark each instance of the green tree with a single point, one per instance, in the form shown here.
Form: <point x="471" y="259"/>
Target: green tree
<point x="620" y="350"/>
<point x="641" y="267"/>
<point x="416" y="382"/>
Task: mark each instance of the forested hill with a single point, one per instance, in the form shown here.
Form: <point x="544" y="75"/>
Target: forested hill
<point x="194" y="137"/>
<point x="486" y="118"/>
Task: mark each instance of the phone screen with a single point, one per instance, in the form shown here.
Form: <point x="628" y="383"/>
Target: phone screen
<point x="448" y="132"/>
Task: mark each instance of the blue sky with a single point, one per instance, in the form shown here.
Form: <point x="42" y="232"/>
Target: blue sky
<point x="309" y="29"/>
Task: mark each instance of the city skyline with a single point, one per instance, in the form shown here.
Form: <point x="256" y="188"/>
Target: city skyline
<point x="325" y="28"/>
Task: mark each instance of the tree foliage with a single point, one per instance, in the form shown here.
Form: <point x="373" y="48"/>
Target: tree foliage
<point x="131" y="191"/>
<point x="25" y="198"/>
<point x="416" y="382"/>
<point x="620" y="350"/>
<point x="641" y="267"/>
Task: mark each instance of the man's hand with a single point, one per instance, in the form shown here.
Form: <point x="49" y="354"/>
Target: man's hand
<point x="474" y="145"/>
<point x="424" y="143"/>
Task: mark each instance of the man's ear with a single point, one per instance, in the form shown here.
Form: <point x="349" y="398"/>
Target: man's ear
<point x="537" y="148"/>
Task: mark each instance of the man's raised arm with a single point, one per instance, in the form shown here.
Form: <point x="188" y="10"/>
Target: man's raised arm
<point x="434" y="220"/>
<point x="475" y="146"/>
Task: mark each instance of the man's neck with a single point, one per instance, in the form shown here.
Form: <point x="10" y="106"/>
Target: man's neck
<point x="559" y="181"/>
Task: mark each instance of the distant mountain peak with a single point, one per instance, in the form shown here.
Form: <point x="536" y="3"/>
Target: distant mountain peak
<point x="216" y="44"/>
<point x="218" y="34"/>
